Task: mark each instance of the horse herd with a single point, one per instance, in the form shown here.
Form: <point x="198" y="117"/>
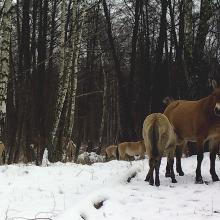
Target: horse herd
<point x="182" y="121"/>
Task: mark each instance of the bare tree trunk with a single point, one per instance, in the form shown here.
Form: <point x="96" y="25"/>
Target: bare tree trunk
<point x="131" y="87"/>
<point x="157" y="95"/>
<point x="188" y="43"/>
<point x="199" y="76"/>
<point x="73" y="69"/>
<point x="104" y="99"/>
<point x="23" y="88"/>
<point x="138" y="6"/>
<point x="5" y="33"/>
<point x="63" y="77"/>
<point x="218" y="34"/>
<point x="42" y="54"/>
<point x="122" y="118"/>
<point x="52" y="34"/>
<point x="173" y="30"/>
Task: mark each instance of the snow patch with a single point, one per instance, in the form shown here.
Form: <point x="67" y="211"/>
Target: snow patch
<point x="101" y="191"/>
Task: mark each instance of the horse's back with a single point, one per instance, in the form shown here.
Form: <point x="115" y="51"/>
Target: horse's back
<point x="132" y="148"/>
<point x="187" y="117"/>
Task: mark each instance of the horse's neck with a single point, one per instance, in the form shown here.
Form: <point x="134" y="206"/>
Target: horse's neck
<point x="208" y="107"/>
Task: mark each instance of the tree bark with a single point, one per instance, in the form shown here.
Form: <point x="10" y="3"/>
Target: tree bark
<point x="123" y="121"/>
<point x="157" y="90"/>
<point x="77" y="37"/>
<point x="5" y="32"/>
<point x="104" y="98"/>
<point x="199" y="76"/>
<point x="63" y="77"/>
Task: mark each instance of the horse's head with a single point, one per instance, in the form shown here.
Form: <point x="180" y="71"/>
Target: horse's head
<point x="216" y="98"/>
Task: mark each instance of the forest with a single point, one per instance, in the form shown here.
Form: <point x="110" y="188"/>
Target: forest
<point x="92" y="70"/>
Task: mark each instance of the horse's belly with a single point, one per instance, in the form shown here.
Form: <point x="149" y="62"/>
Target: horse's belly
<point x="185" y="135"/>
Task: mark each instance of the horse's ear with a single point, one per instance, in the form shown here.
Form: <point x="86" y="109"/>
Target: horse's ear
<point x="214" y="84"/>
<point x="167" y="100"/>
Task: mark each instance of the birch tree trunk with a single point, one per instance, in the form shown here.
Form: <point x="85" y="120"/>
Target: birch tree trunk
<point x="63" y="77"/>
<point x="188" y="32"/>
<point x="5" y="32"/>
<point x="73" y="69"/>
<point x="104" y="99"/>
<point x="218" y="34"/>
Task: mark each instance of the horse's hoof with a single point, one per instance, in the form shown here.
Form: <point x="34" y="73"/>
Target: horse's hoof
<point x="215" y="178"/>
<point x="174" y="181"/>
<point x="147" y="180"/>
<point x="167" y="174"/>
<point x="157" y="184"/>
<point x="199" y="181"/>
<point x="181" y="173"/>
<point x="151" y="183"/>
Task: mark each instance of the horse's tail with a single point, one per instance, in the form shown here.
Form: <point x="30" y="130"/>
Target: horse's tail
<point x="117" y="153"/>
<point x="153" y="137"/>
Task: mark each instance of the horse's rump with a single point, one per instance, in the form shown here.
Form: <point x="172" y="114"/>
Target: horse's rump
<point x="158" y="134"/>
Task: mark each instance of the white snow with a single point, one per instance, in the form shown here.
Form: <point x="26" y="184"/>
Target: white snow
<point x="45" y="161"/>
<point x="69" y="191"/>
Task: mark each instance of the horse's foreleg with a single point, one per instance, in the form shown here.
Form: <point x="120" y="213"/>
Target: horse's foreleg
<point x="157" y="169"/>
<point x="213" y="153"/>
<point x="199" y="161"/>
<point x="179" y="150"/>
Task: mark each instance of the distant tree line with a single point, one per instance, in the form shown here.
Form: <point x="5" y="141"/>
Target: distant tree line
<point x="90" y="71"/>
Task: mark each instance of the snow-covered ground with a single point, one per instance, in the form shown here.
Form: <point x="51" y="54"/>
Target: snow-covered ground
<point x="69" y="192"/>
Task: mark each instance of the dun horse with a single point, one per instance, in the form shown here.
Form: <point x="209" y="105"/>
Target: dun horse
<point x="198" y="121"/>
<point x="159" y="137"/>
<point x="110" y="152"/>
<point x="131" y="149"/>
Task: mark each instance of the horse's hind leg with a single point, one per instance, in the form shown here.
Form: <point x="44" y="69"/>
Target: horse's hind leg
<point x="199" y="161"/>
<point x="149" y="178"/>
<point x="170" y="158"/>
<point x="172" y="174"/>
<point x="167" y="174"/>
<point x="213" y="153"/>
<point x="157" y="169"/>
<point x="179" y="150"/>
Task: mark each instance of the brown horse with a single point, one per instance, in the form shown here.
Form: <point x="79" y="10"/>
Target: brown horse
<point x="198" y="121"/>
<point x="110" y="152"/>
<point x="131" y="149"/>
<point x="159" y="138"/>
